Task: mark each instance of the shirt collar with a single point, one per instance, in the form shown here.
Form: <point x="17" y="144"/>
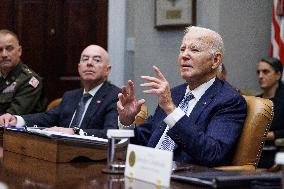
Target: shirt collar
<point x="200" y="90"/>
<point x="94" y="90"/>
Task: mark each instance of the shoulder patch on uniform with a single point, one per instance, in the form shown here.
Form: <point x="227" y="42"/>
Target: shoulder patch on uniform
<point x="34" y="82"/>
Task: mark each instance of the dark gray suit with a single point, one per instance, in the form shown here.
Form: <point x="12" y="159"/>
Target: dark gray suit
<point x="100" y="115"/>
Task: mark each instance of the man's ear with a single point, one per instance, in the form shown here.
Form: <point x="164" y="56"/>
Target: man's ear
<point x="78" y="67"/>
<point x="217" y="60"/>
<point x="108" y="69"/>
<point x="20" y="50"/>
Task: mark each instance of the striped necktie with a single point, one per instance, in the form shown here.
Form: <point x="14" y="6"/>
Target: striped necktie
<point x="168" y="143"/>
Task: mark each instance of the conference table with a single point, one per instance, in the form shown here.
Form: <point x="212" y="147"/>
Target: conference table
<point x="23" y="171"/>
<point x="20" y="171"/>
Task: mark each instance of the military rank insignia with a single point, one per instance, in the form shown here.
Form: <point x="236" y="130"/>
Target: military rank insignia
<point x="10" y="88"/>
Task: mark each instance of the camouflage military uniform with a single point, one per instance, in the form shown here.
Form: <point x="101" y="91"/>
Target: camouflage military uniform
<point x="21" y="92"/>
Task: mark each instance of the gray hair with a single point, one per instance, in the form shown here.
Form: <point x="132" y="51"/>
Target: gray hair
<point x="216" y="43"/>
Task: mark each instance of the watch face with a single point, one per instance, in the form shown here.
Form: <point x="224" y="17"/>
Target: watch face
<point x="76" y="130"/>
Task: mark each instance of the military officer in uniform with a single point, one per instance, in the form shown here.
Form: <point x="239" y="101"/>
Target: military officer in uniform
<point x="21" y="89"/>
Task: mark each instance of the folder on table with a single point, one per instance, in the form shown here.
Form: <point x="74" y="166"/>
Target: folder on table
<point x="224" y="179"/>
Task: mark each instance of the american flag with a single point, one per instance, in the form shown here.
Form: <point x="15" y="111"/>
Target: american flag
<point x="277" y="30"/>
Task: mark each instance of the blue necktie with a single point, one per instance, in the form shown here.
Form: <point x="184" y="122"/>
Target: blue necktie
<point x="80" y="110"/>
<point x="168" y="143"/>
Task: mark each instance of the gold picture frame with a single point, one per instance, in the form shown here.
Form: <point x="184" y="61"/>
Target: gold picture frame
<point x="174" y="13"/>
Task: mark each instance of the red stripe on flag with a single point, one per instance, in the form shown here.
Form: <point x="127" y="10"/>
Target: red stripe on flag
<point x="277" y="36"/>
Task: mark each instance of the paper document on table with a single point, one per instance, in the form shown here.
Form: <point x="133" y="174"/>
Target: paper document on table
<point x="66" y="136"/>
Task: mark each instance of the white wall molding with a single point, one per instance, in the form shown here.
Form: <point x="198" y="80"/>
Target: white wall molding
<point x="116" y="39"/>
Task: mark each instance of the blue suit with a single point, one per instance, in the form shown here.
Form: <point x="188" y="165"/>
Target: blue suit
<point x="208" y="136"/>
<point x="100" y="115"/>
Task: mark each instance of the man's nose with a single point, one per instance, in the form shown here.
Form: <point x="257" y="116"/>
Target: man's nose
<point x="260" y="75"/>
<point x="185" y="52"/>
<point x="90" y="62"/>
<point x="4" y="53"/>
<point x="185" y="55"/>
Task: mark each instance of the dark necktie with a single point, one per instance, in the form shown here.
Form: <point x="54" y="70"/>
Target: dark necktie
<point x="80" y="110"/>
<point x="168" y="143"/>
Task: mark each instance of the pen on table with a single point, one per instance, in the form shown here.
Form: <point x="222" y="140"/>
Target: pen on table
<point x="14" y="128"/>
<point x="183" y="168"/>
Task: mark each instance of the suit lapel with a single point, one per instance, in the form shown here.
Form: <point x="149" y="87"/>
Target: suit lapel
<point x="205" y="100"/>
<point x="179" y="94"/>
<point x="72" y="104"/>
<point x="97" y="100"/>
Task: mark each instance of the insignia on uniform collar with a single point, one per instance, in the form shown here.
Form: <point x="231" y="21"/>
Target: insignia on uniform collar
<point x="10" y="88"/>
<point x="34" y="82"/>
<point x="28" y="70"/>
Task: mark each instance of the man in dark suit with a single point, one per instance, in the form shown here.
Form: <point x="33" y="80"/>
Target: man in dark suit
<point x="76" y="114"/>
<point x="200" y="120"/>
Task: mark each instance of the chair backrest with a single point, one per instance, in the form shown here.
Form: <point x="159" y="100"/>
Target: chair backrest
<point x="142" y="115"/>
<point x="256" y="126"/>
<point x="53" y="103"/>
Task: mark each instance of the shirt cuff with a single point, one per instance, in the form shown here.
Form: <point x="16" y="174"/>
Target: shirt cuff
<point x="174" y="117"/>
<point x="20" y="121"/>
<point x="121" y="126"/>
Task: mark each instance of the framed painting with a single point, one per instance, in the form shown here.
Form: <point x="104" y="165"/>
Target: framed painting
<point x="174" y="13"/>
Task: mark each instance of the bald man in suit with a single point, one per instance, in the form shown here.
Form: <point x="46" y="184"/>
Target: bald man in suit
<point x="99" y="111"/>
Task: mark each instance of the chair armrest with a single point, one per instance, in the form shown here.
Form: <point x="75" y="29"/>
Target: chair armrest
<point x="236" y="167"/>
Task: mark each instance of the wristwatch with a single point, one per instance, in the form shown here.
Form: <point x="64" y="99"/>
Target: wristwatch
<point x="79" y="131"/>
<point x="76" y="130"/>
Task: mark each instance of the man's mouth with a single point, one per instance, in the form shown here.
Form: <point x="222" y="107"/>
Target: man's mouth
<point x="185" y="65"/>
<point x="88" y="71"/>
<point x="5" y="61"/>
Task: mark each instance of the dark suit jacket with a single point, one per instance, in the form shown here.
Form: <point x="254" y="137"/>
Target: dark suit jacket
<point x="100" y="115"/>
<point x="208" y="136"/>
